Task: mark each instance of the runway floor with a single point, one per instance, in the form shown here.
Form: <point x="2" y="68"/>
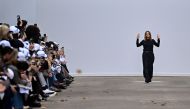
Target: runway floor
<point x="123" y="93"/>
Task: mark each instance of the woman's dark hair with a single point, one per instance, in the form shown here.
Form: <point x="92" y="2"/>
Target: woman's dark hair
<point x="22" y="65"/>
<point x="16" y="43"/>
<point x="24" y="23"/>
<point x="52" y="45"/>
<point x="33" y="34"/>
<point x="145" y="37"/>
<point x="5" y="50"/>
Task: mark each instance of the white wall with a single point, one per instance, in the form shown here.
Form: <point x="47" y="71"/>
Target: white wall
<point x="11" y="8"/>
<point x="100" y="35"/>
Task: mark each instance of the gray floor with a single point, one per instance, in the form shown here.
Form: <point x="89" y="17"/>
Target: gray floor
<point x="124" y="93"/>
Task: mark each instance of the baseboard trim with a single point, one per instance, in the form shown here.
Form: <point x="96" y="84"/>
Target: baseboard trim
<point x="129" y="74"/>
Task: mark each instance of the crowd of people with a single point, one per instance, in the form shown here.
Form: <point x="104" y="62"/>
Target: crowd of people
<point x="32" y="68"/>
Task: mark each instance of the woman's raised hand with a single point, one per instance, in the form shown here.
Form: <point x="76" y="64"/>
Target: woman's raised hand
<point x="158" y="36"/>
<point x="138" y="35"/>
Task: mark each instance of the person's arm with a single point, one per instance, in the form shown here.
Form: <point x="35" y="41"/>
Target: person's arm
<point x="139" y="44"/>
<point x="158" y="41"/>
<point x="137" y="41"/>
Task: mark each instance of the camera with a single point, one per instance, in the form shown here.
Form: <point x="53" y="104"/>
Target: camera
<point x="18" y="18"/>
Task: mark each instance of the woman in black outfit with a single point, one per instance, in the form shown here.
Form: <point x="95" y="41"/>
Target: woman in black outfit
<point x="148" y="54"/>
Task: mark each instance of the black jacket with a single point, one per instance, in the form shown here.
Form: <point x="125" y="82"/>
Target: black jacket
<point x="5" y="103"/>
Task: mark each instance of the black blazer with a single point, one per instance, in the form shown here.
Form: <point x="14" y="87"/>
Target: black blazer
<point x="5" y="103"/>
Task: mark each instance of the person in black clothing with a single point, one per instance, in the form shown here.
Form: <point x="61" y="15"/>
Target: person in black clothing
<point x="148" y="54"/>
<point x="5" y="95"/>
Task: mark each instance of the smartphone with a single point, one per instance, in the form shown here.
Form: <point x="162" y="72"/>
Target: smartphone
<point x="36" y="25"/>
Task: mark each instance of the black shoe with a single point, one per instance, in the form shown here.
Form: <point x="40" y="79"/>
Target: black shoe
<point x="68" y="82"/>
<point x="44" y="87"/>
<point x="60" y="85"/>
<point x="71" y="78"/>
<point x="63" y="86"/>
<point x="35" y="104"/>
<point x="44" y="99"/>
<point x="45" y="96"/>
<point x="55" y="89"/>
<point x="146" y="81"/>
<point x="38" y="99"/>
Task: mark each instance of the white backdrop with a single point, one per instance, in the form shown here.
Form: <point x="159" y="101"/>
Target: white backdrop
<point x="99" y="35"/>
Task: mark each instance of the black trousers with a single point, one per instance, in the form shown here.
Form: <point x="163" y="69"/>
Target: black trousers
<point x="65" y="66"/>
<point x="148" y="61"/>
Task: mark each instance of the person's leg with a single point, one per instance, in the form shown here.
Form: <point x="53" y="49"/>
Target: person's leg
<point x="64" y="71"/>
<point x="42" y="80"/>
<point x="60" y="78"/>
<point x="50" y="80"/>
<point x="151" y="66"/>
<point x="145" y="66"/>
<point x="150" y="61"/>
<point x="17" y="101"/>
<point x="65" y="66"/>
<point x="37" y="87"/>
<point x="25" y="99"/>
<point x="33" y="101"/>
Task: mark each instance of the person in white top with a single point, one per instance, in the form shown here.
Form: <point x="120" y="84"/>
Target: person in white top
<point x="63" y="61"/>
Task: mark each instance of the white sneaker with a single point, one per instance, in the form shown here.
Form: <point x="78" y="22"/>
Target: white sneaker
<point x="47" y="91"/>
<point x="52" y="95"/>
